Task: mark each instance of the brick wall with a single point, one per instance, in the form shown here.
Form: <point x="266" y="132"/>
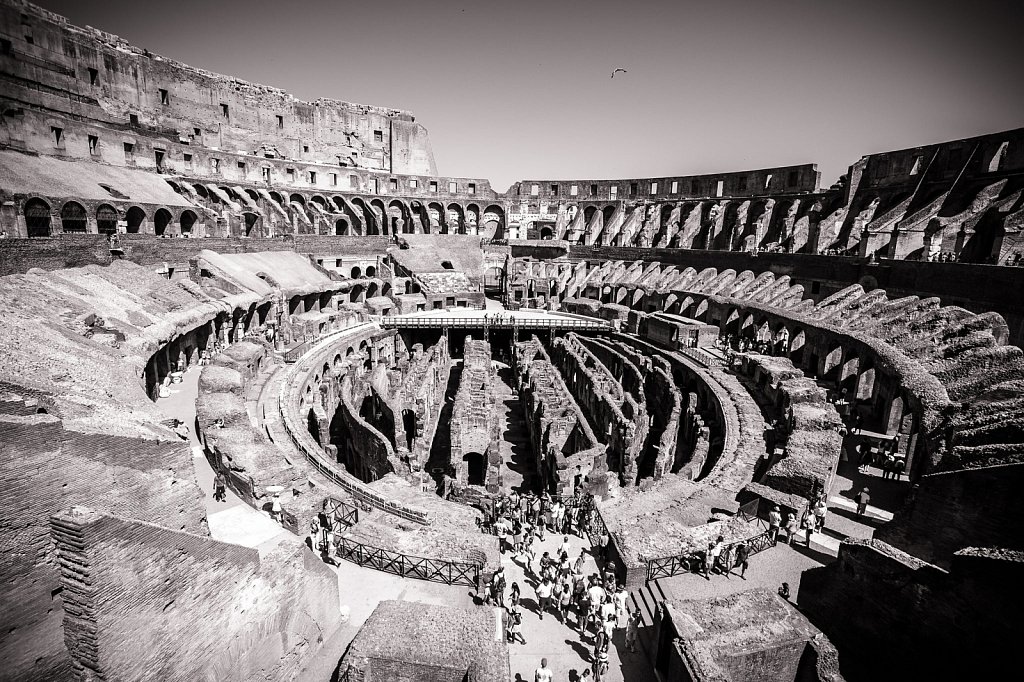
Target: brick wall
<point x="44" y="468"/>
<point x="147" y="602"/>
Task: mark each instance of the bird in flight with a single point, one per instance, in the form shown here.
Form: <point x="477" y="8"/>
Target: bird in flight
<point x="618" y="71"/>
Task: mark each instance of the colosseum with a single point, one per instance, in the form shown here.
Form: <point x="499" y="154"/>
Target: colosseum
<point x="278" y="401"/>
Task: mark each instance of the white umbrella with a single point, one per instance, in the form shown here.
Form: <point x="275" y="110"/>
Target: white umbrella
<point x="274" y="488"/>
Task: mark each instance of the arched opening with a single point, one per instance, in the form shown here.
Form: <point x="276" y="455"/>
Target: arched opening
<point x="398" y="219"/>
<point x="106" y="219"/>
<point x="135" y="217"/>
<point x="186" y="221"/>
<point x="493" y="225"/>
<point x="341" y="226"/>
<point x="161" y="220"/>
<point x="409" y="426"/>
<point x="251" y="221"/>
<point x="546" y="232"/>
<point x="37" y="218"/>
<point x="371" y="271"/>
<point x="476" y="468"/>
<point x="830" y="368"/>
<point x="796" y="348"/>
<point x="357" y="272"/>
<point x="355" y="294"/>
<point x="73" y="217"/>
<point x="456" y="219"/>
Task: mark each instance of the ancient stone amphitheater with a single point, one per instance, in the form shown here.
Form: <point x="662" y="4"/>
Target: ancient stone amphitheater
<point x="267" y="382"/>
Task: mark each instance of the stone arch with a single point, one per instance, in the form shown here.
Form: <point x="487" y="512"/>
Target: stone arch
<point x="357" y="294"/>
<point x="436" y="217"/>
<point x="701" y="313"/>
<point x="796" y="347"/>
<point x="730" y="223"/>
<point x="473" y="218"/>
<point x="106" y="219"/>
<point x="831" y="363"/>
<point x="134" y="218"/>
<point x="747" y="328"/>
<point x="161" y="219"/>
<point x="341" y="227"/>
<point x="493" y="225"/>
<point x="848" y="374"/>
<point x="251" y="222"/>
<point x="186" y="220"/>
<point x="732" y="322"/>
<point x="357" y="272"/>
<point x="455" y="214"/>
<point x="370" y="224"/>
<point x="380" y="214"/>
<point x="371" y="270"/>
<point x="476" y="468"/>
<point x="73" y="217"/>
<point x="399" y="217"/>
<point x="776" y="232"/>
<point x="37" y="217"/>
<point x="546" y="232"/>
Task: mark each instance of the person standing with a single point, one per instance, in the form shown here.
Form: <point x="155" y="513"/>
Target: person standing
<point x="810" y="522"/>
<point x="792" y="526"/>
<point x="774" y="521"/>
<point x="632" y="630"/>
<point x="619" y="599"/>
<point x="543" y="673"/>
<point x="743" y="557"/>
<point x="820" y="509"/>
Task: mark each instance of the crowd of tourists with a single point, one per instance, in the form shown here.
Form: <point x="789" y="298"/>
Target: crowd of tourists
<point x="594" y="604"/>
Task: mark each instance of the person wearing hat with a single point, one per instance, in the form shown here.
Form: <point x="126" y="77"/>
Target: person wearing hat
<point x="275" y="507"/>
<point x="774" y="522"/>
<point x="862" y="501"/>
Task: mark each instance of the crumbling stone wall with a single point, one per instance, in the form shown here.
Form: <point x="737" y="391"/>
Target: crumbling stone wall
<point x="559" y="433"/>
<point x="51" y="468"/>
<point x="474" y="426"/>
<point x="143" y="600"/>
<point x="620" y="421"/>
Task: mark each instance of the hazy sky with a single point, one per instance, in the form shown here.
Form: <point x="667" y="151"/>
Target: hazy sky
<point x="521" y="89"/>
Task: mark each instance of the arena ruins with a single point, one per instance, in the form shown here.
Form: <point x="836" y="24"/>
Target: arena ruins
<point x="280" y="402"/>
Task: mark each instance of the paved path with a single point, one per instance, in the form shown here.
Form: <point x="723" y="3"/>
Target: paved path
<point x="559" y="642"/>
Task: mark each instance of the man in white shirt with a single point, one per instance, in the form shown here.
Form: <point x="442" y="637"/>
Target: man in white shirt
<point x="543" y="673"/>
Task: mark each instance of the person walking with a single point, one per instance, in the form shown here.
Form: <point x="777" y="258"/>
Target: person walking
<point x="515" y="628"/>
<point x="543" y="596"/>
<point x="862" y="501"/>
<point x="219" y="487"/>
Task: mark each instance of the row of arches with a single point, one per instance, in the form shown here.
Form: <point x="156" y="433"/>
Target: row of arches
<point x="352" y="215"/>
<point x="74" y="218"/>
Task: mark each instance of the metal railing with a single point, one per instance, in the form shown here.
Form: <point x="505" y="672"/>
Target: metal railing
<point x="341" y="512"/>
<point x="422" y="568"/>
<point x="478" y="322"/>
<point x="688" y="562"/>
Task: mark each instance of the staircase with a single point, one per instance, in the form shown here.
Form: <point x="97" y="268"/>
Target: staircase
<point x="645" y="600"/>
